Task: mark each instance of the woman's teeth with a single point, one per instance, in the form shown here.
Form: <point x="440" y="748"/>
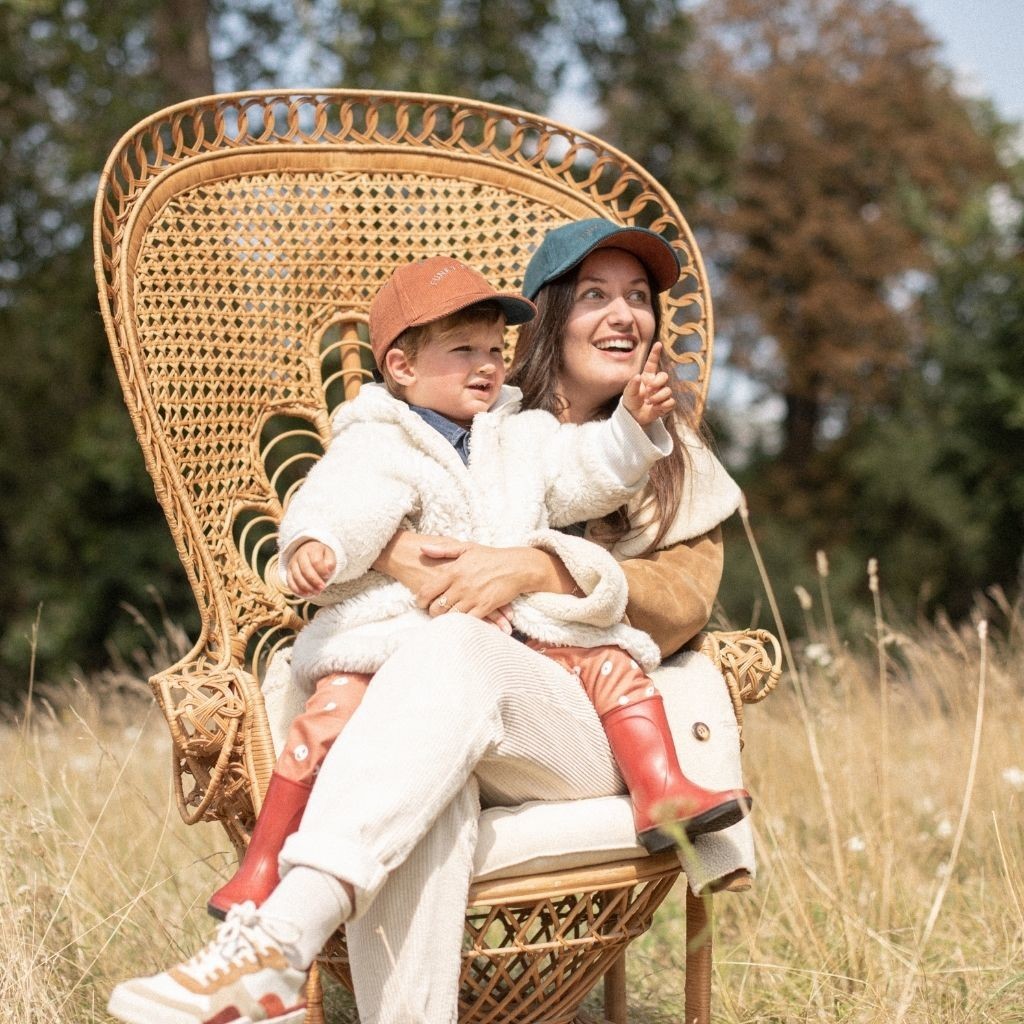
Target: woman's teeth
<point x="615" y="345"/>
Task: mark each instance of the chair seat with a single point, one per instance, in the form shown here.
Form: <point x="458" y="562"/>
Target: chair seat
<point x="543" y="836"/>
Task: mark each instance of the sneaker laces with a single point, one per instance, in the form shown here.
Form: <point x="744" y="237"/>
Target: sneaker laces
<point x="242" y="937"/>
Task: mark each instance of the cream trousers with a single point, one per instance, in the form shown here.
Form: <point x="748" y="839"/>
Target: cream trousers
<point x="459" y="716"/>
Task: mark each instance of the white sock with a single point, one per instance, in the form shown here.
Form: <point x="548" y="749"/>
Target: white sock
<point x="315" y="905"/>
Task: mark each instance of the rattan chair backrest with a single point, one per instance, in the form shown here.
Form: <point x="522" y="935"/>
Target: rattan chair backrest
<point x="239" y="241"/>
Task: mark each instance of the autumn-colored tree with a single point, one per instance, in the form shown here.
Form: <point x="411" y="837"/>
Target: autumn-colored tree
<point x="856" y="151"/>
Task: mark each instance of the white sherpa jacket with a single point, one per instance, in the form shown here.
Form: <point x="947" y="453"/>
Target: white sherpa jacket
<point x="386" y="469"/>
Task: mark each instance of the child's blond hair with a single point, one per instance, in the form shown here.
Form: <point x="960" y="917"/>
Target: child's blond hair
<point x="414" y="339"/>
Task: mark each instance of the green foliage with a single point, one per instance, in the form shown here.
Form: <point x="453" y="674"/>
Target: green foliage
<point x="79" y="531"/>
<point x="496" y="52"/>
<point x="655" y="104"/>
<point x="944" y="472"/>
<point x="81" y="534"/>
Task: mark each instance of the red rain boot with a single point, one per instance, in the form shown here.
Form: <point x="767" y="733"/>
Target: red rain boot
<point x="257" y="877"/>
<point x="640" y="740"/>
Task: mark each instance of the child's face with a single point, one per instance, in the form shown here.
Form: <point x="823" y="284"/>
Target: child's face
<point x="459" y="374"/>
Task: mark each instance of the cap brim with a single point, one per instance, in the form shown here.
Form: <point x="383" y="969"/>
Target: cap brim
<point x="517" y="310"/>
<point x="650" y="249"/>
<point x="575" y="241"/>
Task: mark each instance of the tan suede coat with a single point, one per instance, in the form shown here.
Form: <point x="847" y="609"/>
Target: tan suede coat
<point x="671" y="592"/>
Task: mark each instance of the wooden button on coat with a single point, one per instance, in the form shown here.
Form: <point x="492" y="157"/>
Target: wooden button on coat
<point x="701" y="732"/>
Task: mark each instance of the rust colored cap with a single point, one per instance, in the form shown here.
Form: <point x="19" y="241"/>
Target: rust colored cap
<point x="420" y="293"/>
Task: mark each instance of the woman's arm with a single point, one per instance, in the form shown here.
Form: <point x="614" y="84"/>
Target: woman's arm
<point x="477" y="579"/>
<point x="672" y="591"/>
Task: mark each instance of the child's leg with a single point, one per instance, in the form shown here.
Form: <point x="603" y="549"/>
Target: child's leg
<point x="609" y="676"/>
<point x="313" y="733"/>
<point x="633" y="716"/>
<point x="310" y="736"/>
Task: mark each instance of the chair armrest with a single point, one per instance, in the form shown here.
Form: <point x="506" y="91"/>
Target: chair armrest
<point x="750" y="661"/>
<point x="220" y="738"/>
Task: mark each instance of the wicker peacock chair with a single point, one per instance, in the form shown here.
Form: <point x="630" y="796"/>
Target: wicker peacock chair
<point x="239" y="240"/>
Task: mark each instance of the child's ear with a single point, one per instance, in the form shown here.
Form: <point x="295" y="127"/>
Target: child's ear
<point x="399" y="366"/>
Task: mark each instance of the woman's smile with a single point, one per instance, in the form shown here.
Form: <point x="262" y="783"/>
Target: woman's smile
<point x="616" y="346"/>
<point x="608" y="332"/>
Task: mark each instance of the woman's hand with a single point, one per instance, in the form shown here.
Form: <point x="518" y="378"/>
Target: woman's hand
<point x="418" y="560"/>
<point x="447" y="574"/>
<point x="312" y="564"/>
<point x="403" y="558"/>
<point x="482" y="581"/>
<point x="647" y="396"/>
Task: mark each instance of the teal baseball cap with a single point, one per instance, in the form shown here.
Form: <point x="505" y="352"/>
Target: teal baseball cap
<point x="565" y="247"/>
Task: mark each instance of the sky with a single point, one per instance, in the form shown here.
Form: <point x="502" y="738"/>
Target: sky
<point x="983" y="41"/>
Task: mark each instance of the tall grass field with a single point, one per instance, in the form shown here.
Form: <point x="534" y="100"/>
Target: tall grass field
<point x="888" y="776"/>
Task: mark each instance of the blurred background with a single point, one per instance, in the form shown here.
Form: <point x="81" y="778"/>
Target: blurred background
<point x="852" y="169"/>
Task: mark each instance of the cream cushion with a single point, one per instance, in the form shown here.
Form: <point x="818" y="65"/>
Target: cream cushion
<point x="550" y="835"/>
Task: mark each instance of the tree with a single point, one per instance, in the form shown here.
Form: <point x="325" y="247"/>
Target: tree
<point x="80" y="532"/>
<point x="944" y="472"/>
<point x="655" y="105"/>
<point x="857" y="151"/>
<point x="78" y="528"/>
<point x="495" y="52"/>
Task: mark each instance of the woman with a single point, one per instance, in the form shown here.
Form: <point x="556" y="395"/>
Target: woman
<point x="462" y="714"/>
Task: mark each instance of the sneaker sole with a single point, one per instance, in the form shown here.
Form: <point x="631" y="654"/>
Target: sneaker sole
<point x="214" y="911"/>
<point x="126" y="1007"/>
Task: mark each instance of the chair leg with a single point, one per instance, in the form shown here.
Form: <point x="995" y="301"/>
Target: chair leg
<point x="698" y="958"/>
<point x="615" y="991"/>
<point x="314" y="997"/>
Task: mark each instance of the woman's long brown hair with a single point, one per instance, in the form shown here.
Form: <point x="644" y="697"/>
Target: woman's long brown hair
<point x="536" y="367"/>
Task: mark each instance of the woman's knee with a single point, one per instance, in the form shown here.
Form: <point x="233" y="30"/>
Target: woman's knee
<point x="462" y="637"/>
<point x="460" y="662"/>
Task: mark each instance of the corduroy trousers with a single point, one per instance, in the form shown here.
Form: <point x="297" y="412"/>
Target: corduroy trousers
<point x="459" y="716"/>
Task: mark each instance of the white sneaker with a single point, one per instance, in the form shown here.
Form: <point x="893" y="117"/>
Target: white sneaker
<point x="241" y="977"/>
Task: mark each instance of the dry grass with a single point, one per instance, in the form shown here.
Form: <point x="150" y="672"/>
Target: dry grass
<point x="889" y="887"/>
<point x="888" y="795"/>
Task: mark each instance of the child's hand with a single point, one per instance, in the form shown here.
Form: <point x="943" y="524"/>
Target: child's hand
<point x="648" y="396"/>
<point x="310" y="568"/>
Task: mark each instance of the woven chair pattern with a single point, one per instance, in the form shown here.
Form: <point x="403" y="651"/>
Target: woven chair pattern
<point x="239" y="240"/>
<point x="540" y="947"/>
<point x="750" y="660"/>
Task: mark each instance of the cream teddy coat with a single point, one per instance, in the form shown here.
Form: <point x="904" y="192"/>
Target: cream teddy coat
<point x="527" y="473"/>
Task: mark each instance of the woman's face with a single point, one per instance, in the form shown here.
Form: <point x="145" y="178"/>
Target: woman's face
<point x="608" y="333"/>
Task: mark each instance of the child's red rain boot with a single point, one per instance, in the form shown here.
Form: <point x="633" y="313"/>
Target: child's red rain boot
<point x="257" y="877"/>
<point x="641" y="743"/>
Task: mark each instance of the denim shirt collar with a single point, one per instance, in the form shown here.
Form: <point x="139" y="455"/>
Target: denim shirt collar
<point x="456" y="436"/>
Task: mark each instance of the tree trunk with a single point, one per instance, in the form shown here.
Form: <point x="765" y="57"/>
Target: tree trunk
<point x="181" y="41"/>
<point x="799" y="429"/>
